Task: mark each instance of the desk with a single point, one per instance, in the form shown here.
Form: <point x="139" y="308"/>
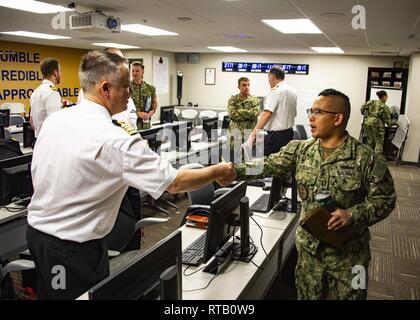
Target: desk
<point x="239" y="280"/>
<point x="12" y="232"/>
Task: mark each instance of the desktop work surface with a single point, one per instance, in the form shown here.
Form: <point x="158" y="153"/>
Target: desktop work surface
<point x="239" y="280"/>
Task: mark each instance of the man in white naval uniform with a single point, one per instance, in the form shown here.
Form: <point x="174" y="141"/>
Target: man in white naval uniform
<point x="81" y="177"/>
<point x="45" y="99"/>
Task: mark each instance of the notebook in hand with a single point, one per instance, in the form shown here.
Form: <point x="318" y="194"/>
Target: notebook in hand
<point x="316" y="223"/>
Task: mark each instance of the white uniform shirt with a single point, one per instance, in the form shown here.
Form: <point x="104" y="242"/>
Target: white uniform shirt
<point x="129" y="115"/>
<point x="282" y="102"/>
<point x="81" y="168"/>
<point x="44" y="101"/>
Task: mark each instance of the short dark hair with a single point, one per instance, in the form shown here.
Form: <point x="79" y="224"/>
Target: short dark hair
<point x="381" y="94"/>
<point x="278" y="72"/>
<point x="137" y="64"/>
<point x="242" y="79"/>
<point x="48" y="66"/>
<point x="344" y="106"/>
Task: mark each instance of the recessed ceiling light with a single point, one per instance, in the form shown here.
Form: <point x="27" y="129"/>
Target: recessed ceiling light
<point x="332" y="14"/>
<point x="149" y="31"/>
<point x="35" y="35"/>
<point x="33" y="6"/>
<point x="114" y="45"/>
<point x="227" y="49"/>
<point x="327" y="49"/>
<point x="292" y="25"/>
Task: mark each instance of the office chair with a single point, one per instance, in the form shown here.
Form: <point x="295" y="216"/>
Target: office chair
<point x="124" y="229"/>
<point x="17" y="108"/>
<point x="177" y="112"/>
<point x="302" y="132"/>
<point x="296" y="135"/>
<point x="16" y="120"/>
<point x="208" y="114"/>
<point x="13" y="266"/>
<point x="206" y="194"/>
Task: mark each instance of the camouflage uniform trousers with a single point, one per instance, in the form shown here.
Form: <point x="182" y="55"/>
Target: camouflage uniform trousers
<point x="375" y="136"/>
<point x="328" y="275"/>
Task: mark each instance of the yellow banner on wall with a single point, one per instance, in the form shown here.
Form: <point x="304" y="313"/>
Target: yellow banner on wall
<point x="20" y="74"/>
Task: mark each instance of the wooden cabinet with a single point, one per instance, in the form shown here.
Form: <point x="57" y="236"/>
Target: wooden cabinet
<point x="391" y="78"/>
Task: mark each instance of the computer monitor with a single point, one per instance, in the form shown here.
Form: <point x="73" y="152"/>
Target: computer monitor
<point x="140" y="277"/>
<point x="225" y="122"/>
<point x="182" y="136"/>
<point x="28" y="135"/>
<point x="167" y="114"/>
<point x="15" y="178"/>
<point x="277" y="191"/>
<point x="210" y="126"/>
<point x="4" y="121"/>
<point x="153" y="137"/>
<point x="221" y="219"/>
<point x="5" y="117"/>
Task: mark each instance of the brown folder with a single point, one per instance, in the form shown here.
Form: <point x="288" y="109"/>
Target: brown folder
<point x="316" y="223"/>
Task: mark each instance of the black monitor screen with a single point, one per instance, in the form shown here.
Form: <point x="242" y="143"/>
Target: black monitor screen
<point x="5" y="117"/>
<point x="153" y="138"/>
<point x="277" y="191"/>
<point x="28" y="135"/>
<point x="219" y="228"/>
<point x="225" y="123"/>
<point x="139" y="276"/>
<point x="15" y="178"/>
<point x="210" y="126"/>
<point x="167" y="114"/>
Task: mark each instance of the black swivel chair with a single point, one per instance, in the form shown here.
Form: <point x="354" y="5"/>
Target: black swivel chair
<point x="302" y="132"/>
<point x="205" y="195"/>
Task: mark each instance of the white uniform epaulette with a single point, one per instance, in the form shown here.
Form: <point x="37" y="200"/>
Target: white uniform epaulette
<point x="126" y="126"/>
<point x="53" y="88"/>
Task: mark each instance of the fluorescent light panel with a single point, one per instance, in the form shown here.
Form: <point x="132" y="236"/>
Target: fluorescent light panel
<point x="114" y="45"/>
<point x="292" y="25"/>
<point x="35" y="35"/>
<point x="227" y="49"/>
<point x="146" y="30"/>
<point x="32" y="6"/>
<point x="327" y="49"/>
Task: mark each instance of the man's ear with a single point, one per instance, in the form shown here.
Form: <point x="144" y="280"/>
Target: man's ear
<point x="339" y="119"/>
<point x="105" y="87"/>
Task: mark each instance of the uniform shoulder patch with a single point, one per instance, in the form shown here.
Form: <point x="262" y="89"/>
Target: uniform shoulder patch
<point x="53" y="87"/>
<point x="379" y="169"/>
<point x="126" y="126"/>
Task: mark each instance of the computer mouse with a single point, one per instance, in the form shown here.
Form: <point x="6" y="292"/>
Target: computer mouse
<point x="266" y="188"/>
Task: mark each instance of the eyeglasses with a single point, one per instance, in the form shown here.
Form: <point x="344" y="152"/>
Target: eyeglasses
<point x="317" y="111"/>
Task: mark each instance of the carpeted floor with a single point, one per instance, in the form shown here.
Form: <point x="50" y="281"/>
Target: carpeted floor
<point x="394" y="271"/>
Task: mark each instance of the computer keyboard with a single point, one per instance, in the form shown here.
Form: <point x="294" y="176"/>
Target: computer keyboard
<point x="194" y="253"/>
<point x="261" y="205"/>
<point x="256" y="183"/>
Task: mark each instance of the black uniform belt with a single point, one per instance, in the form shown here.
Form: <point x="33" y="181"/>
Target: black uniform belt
<point x="280" y="131"/>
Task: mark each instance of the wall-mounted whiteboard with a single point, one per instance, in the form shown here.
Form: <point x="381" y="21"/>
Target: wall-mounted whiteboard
<point x="394" y="95"/>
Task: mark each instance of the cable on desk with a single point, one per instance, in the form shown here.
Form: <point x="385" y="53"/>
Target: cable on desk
<point x="191" y="290"/>
<point x="262" y="233"/>
<point x="187" y="275"/>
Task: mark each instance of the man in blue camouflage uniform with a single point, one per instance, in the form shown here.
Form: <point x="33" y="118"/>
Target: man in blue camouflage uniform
<point x="361" y="187"/>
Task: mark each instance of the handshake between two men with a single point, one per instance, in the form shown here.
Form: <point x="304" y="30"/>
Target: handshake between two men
<point x="192" y="179"/>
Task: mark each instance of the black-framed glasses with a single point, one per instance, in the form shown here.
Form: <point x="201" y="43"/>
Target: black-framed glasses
<point x="317" y="111"/>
